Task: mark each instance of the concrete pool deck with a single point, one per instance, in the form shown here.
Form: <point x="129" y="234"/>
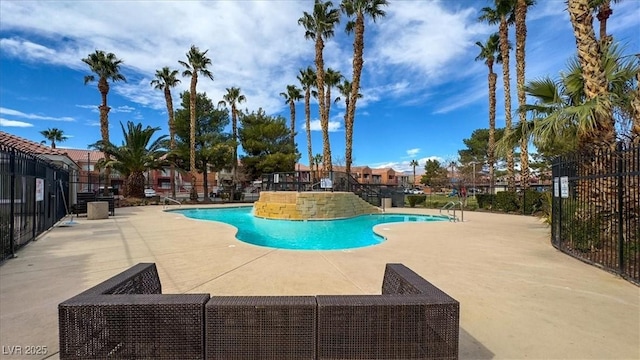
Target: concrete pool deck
<point x="519" y="297"/>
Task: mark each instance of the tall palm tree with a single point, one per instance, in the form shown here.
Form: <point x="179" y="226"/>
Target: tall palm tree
<point x="106" y="66"/>
<point x="292" y="95"/>
<point x="196" y="64"/>
<point x="136" y="155"/>
<point x="593" y="73"/>
<point x="603" y="9"/>
<point x="331" y="79"/>
<point x="414" y="163"/>
<point x="307" y="78"/>
<point x="357" y="10"/>
<point x="503" y="16"/>
<point x="345" y="90"/>
<point x="520" y="17"/>
<point x="232" y="98"/>
<point x="54" y="135"/>
<point x="166" y="79"/>
<point x="319" y="27"/>
<point x="490" y="53"/>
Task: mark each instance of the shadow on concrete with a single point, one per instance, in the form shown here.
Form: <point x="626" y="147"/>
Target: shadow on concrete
<point x="471" y="348"/>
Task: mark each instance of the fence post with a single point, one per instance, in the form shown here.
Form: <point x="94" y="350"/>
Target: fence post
<point x="620" y="190"/>
<point x="12" y="201"/>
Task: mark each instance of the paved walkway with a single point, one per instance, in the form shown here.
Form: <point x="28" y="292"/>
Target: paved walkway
<point x="520" y="298"/>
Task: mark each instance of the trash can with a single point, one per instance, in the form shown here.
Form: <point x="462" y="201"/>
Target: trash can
<point x="386" y="203"/>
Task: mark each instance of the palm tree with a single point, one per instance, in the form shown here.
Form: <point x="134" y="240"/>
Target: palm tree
<point x="345" y="90"/>
<point x="358" y="9"/>
<point x="307" y="80"/>
<point x="603" y="9"/>
<point x="503" y="15"/>
<point x="292" y="95"/>
<point x="164" y="81"/>
<point x="54" y="135"/>
<point x="136" y="155"/>
<point x="232" y="98"/>
<point x="595" y="80"/>
<point x="414" y="163"/>
<point x="196" y="63"/>
<point x="331" y="79"/>
<point x="317" y="160"/>
<point x="319" y="26"/>
<point x="107" y="67"/>
<point x="489" y="52"/>
<point x="520" y="18"/>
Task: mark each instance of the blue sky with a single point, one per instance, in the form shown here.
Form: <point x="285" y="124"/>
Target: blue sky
<point x="423" y="92"/>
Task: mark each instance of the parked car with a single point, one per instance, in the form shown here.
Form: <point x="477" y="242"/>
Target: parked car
<point x="149" y="193"/>
<point x="417" y="192"/>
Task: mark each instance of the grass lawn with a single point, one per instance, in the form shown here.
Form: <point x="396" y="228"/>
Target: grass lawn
<point x="437" y="201"/>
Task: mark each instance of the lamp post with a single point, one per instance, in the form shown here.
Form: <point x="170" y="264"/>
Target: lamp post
<point x="474" y="177"/>
<point x="89" y="171"/>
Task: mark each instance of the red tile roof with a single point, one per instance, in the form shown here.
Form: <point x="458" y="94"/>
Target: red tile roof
<point x="80" y="155"/>
<point x="28" y="146"/>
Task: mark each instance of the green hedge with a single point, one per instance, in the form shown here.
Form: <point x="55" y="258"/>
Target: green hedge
<point x="506" y="201"/>
<point x="485" y="200"/>
<point x="416" y="200"/>
<point x="528" y="202"/>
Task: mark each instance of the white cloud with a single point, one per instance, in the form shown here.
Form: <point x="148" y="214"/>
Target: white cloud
<point x="315" y="126"/>
<point x="413" y="152"/>
<point x="123" y="109"/>
<point x="20" y="114"/>
<point x="13" y="123"/>
<point x="244" y="40"/>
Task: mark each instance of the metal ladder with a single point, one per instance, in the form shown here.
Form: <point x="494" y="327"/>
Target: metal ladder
<point x="451" y="206"/>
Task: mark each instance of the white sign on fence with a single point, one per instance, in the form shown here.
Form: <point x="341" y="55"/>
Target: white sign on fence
<point x="564" y="187"/>
<point x="556" y="187"/>
<point x="326" y="183"/>
<point x="39" y="189"/>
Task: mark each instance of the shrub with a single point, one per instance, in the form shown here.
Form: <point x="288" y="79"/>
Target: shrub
<point x="416" y="199"/>
<point x="506" y="201"/>
<point x="485" y="200"/>
<point x="531" y="202"/>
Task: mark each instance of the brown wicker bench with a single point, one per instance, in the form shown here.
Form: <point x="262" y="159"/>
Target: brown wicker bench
<point x="127" y="317"/>
<point x="412" y="319"/>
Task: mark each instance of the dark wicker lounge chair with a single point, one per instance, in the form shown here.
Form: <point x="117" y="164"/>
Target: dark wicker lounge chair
<point x="127" y="317"/>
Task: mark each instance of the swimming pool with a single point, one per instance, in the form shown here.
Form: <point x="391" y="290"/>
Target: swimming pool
<point x="304" y="235"/>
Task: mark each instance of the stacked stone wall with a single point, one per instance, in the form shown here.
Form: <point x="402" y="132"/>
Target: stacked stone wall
<point x="311" y="205"/>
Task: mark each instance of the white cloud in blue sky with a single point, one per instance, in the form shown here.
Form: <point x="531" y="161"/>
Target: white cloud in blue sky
<point x="421" y="86"/>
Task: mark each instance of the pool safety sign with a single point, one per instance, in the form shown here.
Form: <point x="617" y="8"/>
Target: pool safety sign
<point x="39" y="189"/>
<point x="326" y="183"/>
<point x="561" y="187"/>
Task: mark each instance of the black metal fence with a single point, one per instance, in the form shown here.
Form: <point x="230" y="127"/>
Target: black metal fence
<point x="33" y="192"/>
<point x="596" y="208"/>
<point x="333" y="181"/>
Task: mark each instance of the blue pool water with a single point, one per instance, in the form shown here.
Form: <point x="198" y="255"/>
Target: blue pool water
<point x="304" y="235"/>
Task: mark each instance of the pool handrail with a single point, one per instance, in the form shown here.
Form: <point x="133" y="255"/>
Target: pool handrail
<point x="164" y="201"/>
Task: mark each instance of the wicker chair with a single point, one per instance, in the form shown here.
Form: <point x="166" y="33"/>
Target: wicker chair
<point x="412" y="319"/>
<point x="127" y="317"/>
<point x="261" y="327"/>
